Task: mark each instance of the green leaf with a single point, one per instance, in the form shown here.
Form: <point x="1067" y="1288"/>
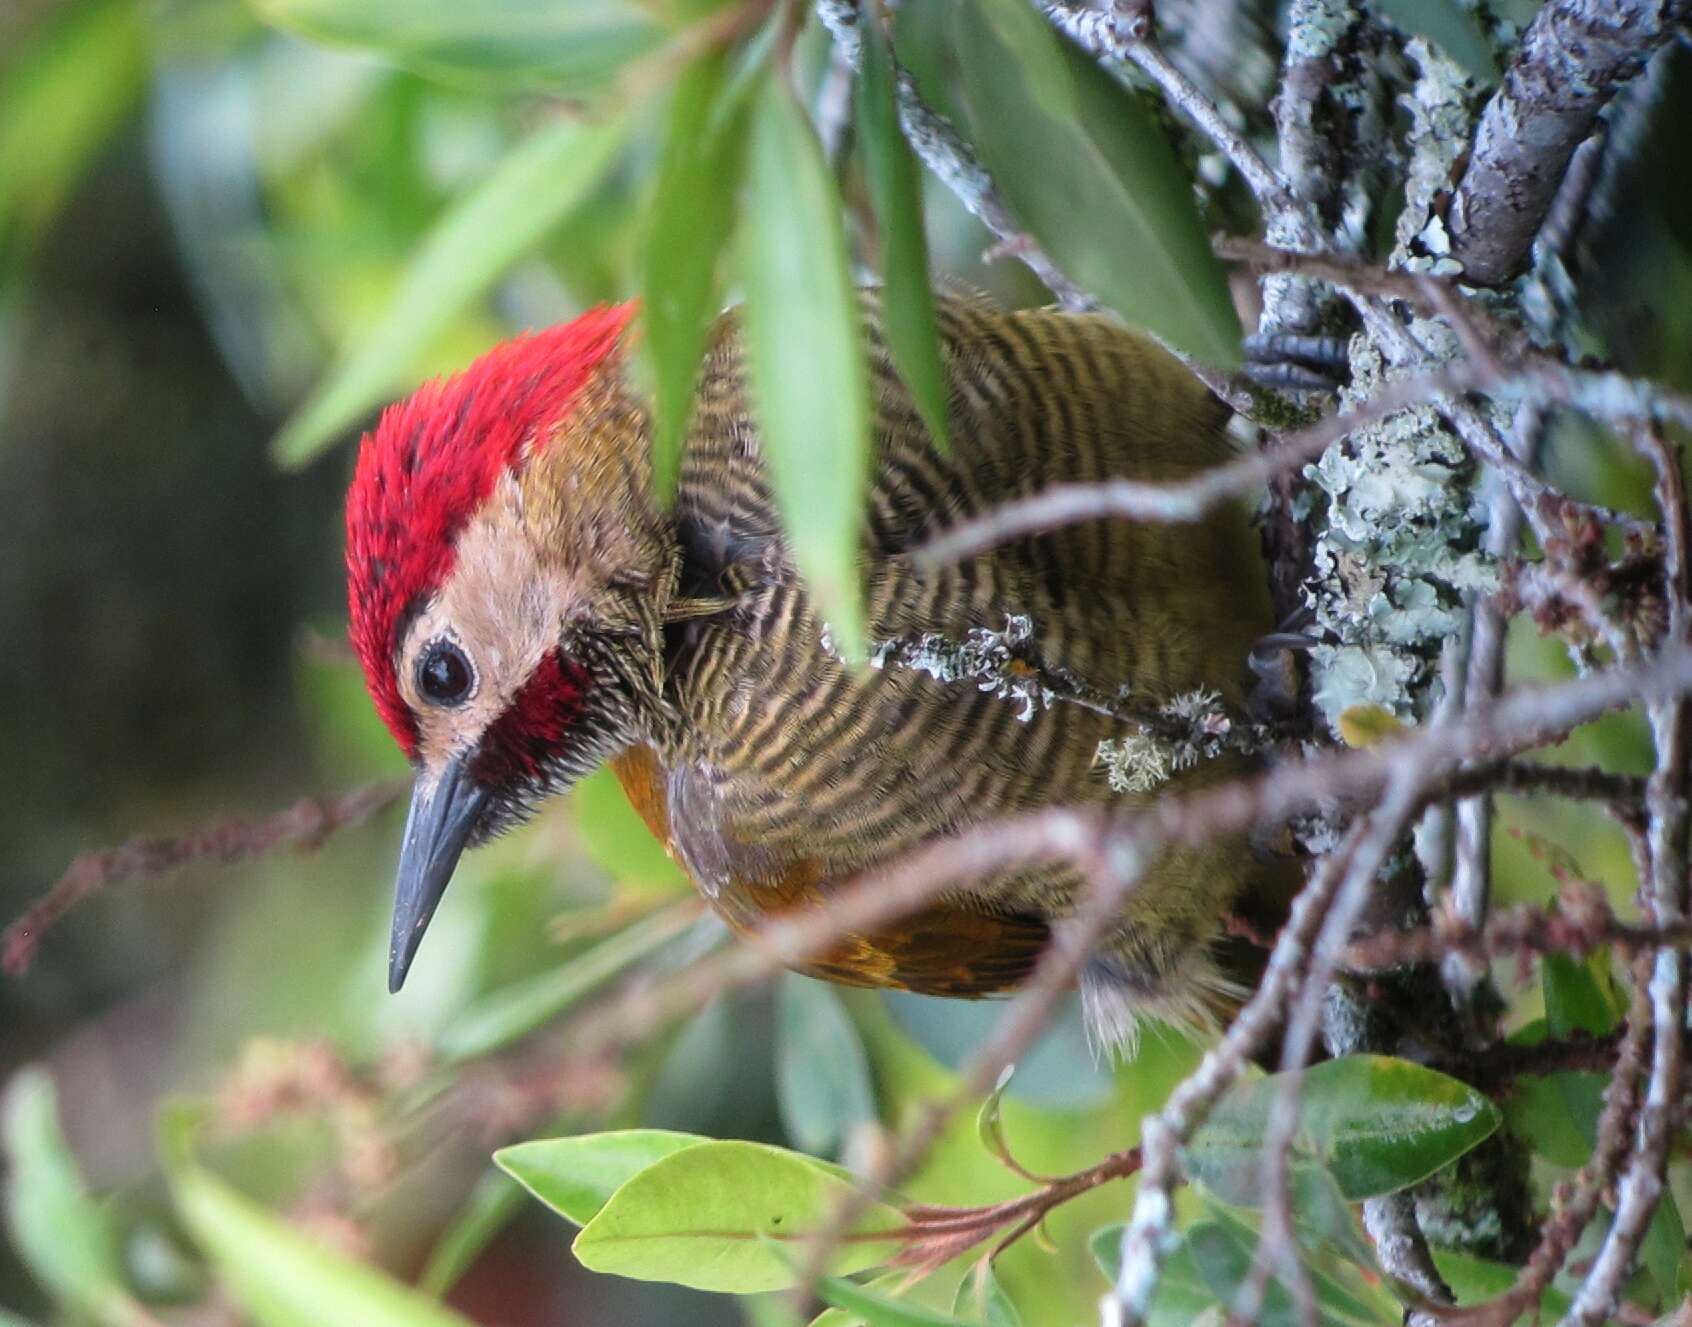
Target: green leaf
<point x="1453" y="28"/>
<point x="531" y="189"/>
<point x="692" y="214"/>
<point x="1473" y="1280"/>
<point x="805" y="358"/>
<point x="568" y="49"/>
<point x="1087" y="169"/>
<point x="713" y="1217"/>
<point x="1376" y="1123"/>
<point x="1664" y="1245"/>
<point x="1182" y="1293"/>
<point x="64" y="1237"/>
<point x="990" y="1123"/>
<point x="982" y="1299"/>
<point x="1557" y="1114"/>
<point x="489" y="1208"/>
<point x="576" y="1176"/>
<point x="822" y="1074"/>
<point x="499" y="1018"/>
<point x="895" y="188"/>
<point x="1580" y="994"/>
<point x="1222" y="1250"/>
<point x="73" y="84"/>
<point x="878" y="1310"/>
<point x="1320" y="1210"/>
<point x="285" y="1279"/>
<point x="882" y="1283"/>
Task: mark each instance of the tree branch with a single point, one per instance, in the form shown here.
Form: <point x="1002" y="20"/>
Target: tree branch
<point x="1573" y="56"/>
<point x="1193" y="498"/>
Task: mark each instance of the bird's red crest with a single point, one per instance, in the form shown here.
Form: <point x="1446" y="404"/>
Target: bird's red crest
<point x="432" y="460"/>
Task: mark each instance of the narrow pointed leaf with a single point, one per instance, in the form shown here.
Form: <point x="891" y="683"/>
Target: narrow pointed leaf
<point x="495" y="1200"/>
<point x="68" y="87"/>
<point x="692" y="213"/>
<point x="576" y="1176"/>
<point x="1089" y="172"/>
<point x="480" y="236"/>
<point x="282" y="1277"/>
<point x="882" y="1283"/>
<point x="989" y="1120"/>
<point x="570" y="49"/>
<point x="881" y="1310"/>
<point x="895" y="187"/>
<point x="501" y="1017"/>
<point x="805" y="357"/>
<point x="60" y="1232"/>
<point x="822" y="1073"/>
<point x="726" y="1216"/>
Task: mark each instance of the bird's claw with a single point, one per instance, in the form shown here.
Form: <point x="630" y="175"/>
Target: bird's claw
<point x="1296" y="361"/>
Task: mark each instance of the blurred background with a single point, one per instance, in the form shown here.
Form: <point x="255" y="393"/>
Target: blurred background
<point x="203" y="211"/>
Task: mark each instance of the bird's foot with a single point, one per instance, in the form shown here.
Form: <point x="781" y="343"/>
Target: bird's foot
<point x="1298" y="362"/>
<point x="1277" y="662"/>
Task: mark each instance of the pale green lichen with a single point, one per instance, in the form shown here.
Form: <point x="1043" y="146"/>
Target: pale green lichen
<point x="1137" y="763"/>
<point x="1192" y="727"/>
<point x="1441" y="123"/>
<point x="1398" y="548"/>
<point x="997" y="662"/>
<point x="1317" y="27"/>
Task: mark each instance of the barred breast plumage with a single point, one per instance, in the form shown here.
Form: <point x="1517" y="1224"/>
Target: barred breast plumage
<point x="782" y="771"/>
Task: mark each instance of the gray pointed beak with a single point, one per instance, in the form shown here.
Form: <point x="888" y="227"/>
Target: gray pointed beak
<point x="436" y="830"/>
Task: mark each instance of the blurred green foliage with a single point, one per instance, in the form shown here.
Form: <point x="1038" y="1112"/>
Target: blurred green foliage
<point x="343" y="199"/>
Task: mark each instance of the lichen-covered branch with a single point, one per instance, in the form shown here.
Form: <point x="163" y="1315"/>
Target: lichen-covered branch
<point x="1573" y="57"/>
<point x="1606" y="395"/>
<point x="1318" y="99"/>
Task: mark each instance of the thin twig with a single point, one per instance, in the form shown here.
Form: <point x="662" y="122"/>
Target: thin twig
<point x="305" y="825"/>
<point x="953" y="162"/>
<point x="1584" y="922"/>
<point x="1526" y="718"/>
<point x="1586" y="783"/>
<point x="1578" y="1202"/>
<point x="1193" y="498"/>
<point x="1667" y="901"/>
<point x="1117" y="867"/>
<point x="1381" y="832"/>
<point x="1150" y="1236"/>
<point x="1124" y="32"/>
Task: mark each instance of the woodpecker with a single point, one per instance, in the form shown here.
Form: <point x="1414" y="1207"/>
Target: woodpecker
<point x="524" y="609"/>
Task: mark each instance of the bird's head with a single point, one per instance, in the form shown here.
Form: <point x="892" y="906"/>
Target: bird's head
<point x="506" y="572"/>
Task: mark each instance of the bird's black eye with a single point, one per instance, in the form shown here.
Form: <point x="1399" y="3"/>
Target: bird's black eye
<point x="444" y="675"/>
